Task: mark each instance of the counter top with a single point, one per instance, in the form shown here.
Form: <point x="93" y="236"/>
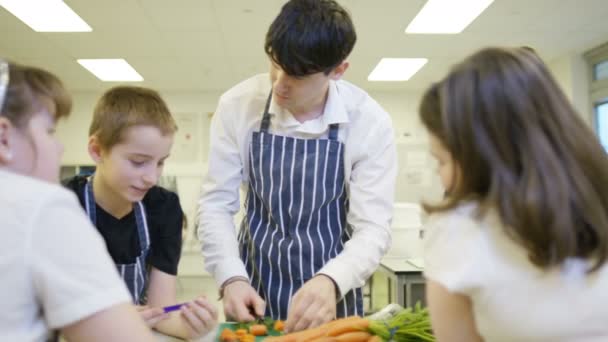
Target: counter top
<point x="403" y="265"/>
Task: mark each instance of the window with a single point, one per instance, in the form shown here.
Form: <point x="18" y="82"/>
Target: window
<point x="600" y="71"/>
<point x="598" y="63"/>
<point x="601" y="112"/>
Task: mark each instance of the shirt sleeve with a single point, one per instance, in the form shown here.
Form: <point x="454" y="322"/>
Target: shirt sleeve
<point x="219" y="201"/>
<point x="371" y="193"/>
<point x="452" y="251"/>
<point x="166" y="215"/>
<point x="73" y="275"/>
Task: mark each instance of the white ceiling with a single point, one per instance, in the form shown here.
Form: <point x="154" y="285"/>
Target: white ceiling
<point x="209" y="45"/>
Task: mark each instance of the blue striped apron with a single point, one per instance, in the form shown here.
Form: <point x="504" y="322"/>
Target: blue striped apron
<point x="295" y="218"/>
<point x="135" y="275"/>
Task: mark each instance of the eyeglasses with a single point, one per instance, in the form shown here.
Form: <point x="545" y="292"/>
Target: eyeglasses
<point x="3" y="81"/>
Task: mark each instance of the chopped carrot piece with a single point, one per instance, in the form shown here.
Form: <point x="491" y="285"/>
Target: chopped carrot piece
<point x="279" y="325"/>
<point x="258" y="330"/>
<point x="228" y="335"/>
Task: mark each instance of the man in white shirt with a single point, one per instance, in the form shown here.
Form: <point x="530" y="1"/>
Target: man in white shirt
<point x="316" y="156"/>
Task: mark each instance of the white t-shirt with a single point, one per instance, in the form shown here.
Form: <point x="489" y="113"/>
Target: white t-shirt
<point x="512" y="299"/>
<point x="54" y="265"/>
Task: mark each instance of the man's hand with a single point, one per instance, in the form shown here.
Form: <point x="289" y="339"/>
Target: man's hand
<point x="313" y="304"/>
<point x="241" y="302"/>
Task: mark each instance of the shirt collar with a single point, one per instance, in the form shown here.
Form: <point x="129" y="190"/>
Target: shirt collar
<point x="335" y="111"/>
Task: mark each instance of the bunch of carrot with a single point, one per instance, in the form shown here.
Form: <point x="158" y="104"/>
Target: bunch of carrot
<point x="350" y="329"/>
<point x="409" y="325"/>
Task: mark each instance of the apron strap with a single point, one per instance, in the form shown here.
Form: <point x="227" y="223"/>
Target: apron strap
<point x="333" y="131"/>
<point x="89" y="201"/>
<point x="266" y="117"/>
<point x="139" y="211"/>
<point x="265" y="124"/>
<point x="142" y="226"/>
<point x="4" y="80"/>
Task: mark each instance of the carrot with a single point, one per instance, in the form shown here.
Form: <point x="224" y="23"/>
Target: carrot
<point x="311" y="334"/>
<point x="228" y="335"/>
<point x="354" y="325"/>
<point x="299" y="336"/>
<point x="324" y="339"/>
<point x="248" y="338"/>
<point x="342" y="321"/>
<point x="318" y="332"/>
<point x="358" y="336"/>
<point x="258" y="330"/>
<point x="279" y="325"/>
<point x="375" y="338"/>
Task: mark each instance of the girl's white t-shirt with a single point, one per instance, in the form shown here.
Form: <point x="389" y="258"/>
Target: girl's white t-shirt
<point x="513" y="300"/>
<point x="54" y="265"/>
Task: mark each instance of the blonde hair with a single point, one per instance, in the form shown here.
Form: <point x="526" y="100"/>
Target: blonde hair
<point x="123" y="107"/>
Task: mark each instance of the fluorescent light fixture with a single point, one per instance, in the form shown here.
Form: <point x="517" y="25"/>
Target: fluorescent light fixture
<point x="46" y="15"/>
<point x="111" y="70"/>
<point x="396" y="69"/>
<point x="447" y="16"/>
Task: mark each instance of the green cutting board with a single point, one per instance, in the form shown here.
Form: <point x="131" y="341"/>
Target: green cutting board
<point x="232" y="326"/>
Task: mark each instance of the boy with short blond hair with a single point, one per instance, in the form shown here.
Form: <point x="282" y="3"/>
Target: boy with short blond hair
<point x="130" y="138"/>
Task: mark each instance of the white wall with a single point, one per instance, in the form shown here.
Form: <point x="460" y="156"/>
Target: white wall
<point x="572" y="74"/>
<point x="417" y="179"/>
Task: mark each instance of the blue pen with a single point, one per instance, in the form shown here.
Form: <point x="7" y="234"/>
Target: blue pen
<point x="175" y="307"/>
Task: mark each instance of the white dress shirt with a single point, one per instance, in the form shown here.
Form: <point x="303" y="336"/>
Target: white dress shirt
<point x="370" y="166"/>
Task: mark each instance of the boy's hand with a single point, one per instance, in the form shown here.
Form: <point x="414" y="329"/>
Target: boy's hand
<point x="201" y="317"/>
<point x="241" y="301"/>
<point x="151" y="315"/>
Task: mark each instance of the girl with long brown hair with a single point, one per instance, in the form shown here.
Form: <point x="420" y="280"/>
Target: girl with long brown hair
<point x="517" y="249"/>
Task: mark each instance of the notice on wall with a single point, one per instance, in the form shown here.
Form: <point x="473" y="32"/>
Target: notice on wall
<point x="187" y="144"/>
<point x="416" y="177"/>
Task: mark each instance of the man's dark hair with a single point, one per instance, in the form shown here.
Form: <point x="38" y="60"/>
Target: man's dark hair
<point x="310" y="36"/>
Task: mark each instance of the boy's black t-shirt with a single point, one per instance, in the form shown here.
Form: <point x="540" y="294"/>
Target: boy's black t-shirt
<point x="164" y="215"/>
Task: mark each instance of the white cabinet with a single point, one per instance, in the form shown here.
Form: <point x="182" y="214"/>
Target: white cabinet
<point x="406" y="231"/>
